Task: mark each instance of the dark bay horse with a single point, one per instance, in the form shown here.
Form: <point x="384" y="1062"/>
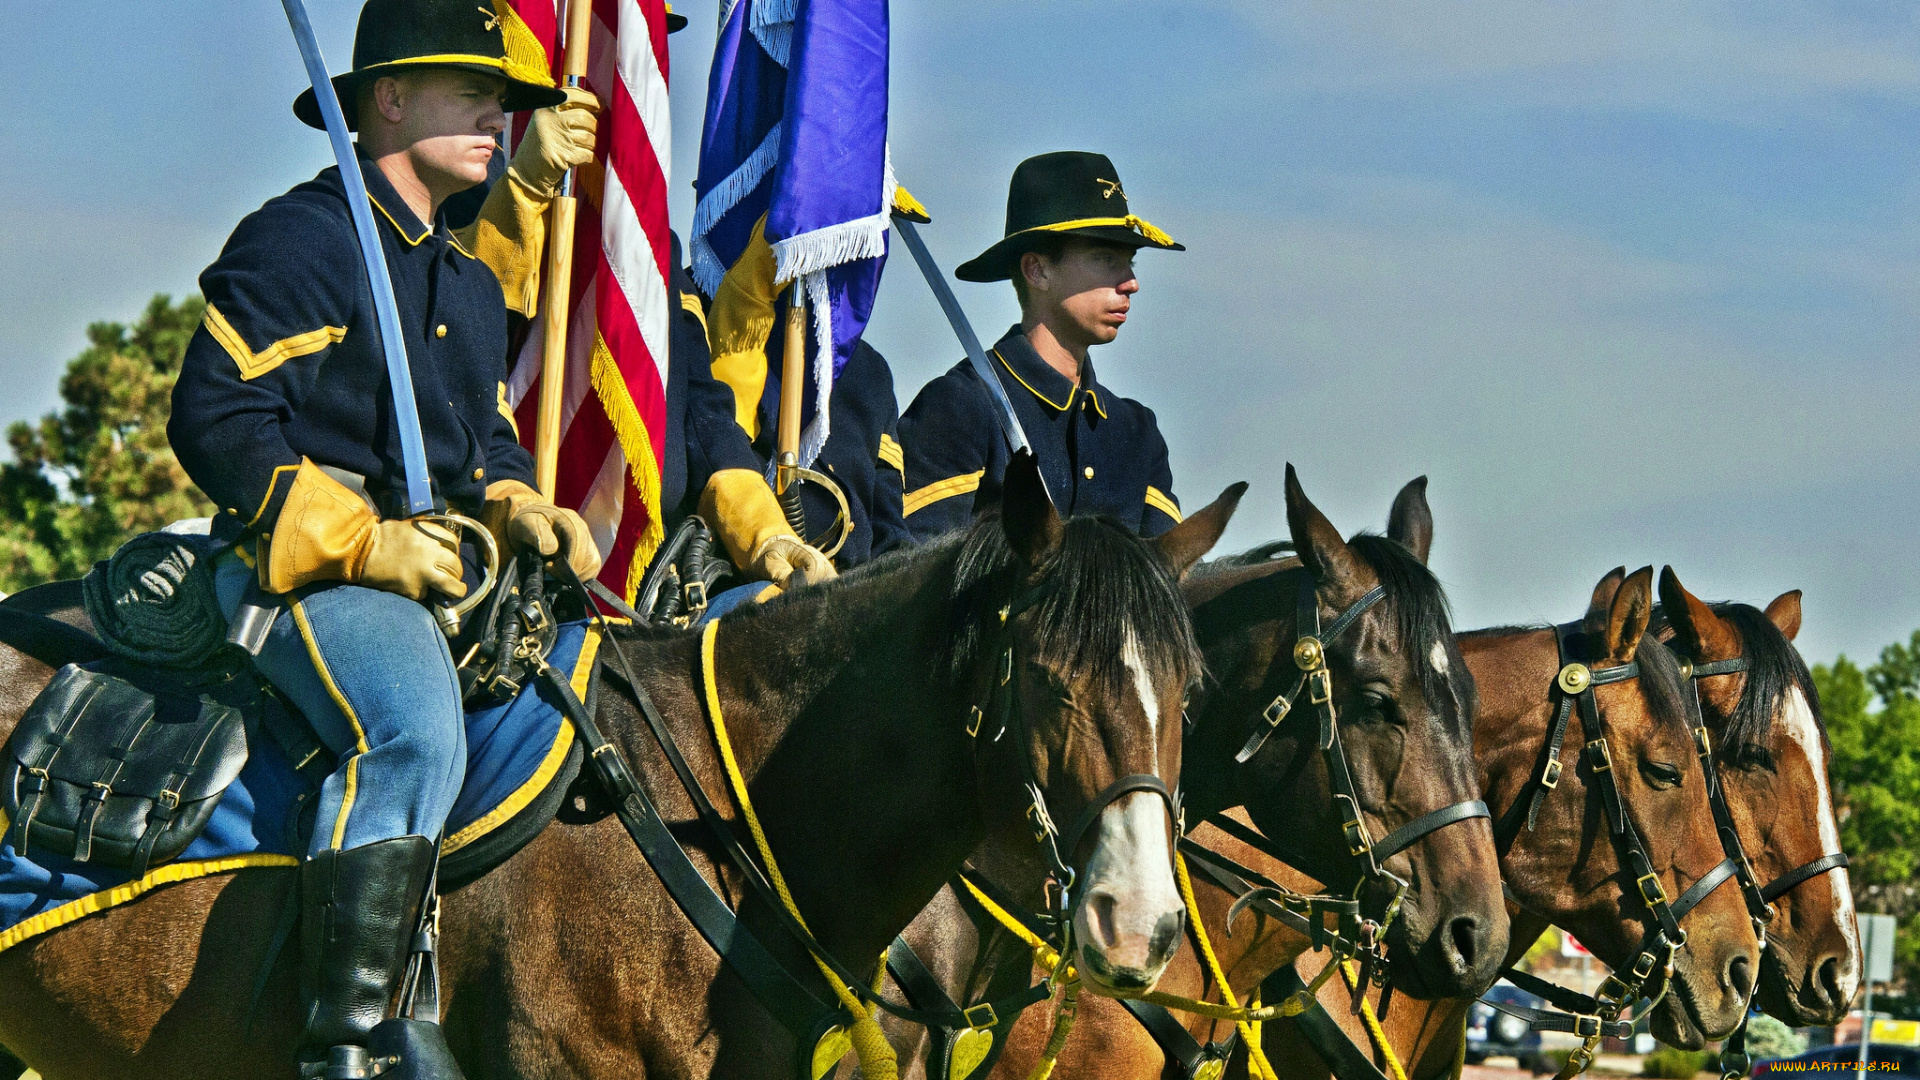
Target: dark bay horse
<point x="1771" y="750"/>
<point x="849" y="708"/>
<point x="1405" y="707"/>
<point x="1565" y="871"/>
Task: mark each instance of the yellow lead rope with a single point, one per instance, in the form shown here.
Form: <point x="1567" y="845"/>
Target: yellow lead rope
<point x="877" y="1060"/>
<point x="1374" y="1031"/>
<point x="1255" y="1054"/>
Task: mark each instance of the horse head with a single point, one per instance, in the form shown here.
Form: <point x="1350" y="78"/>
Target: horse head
<point x="1770" y="746"/>
<point x="1095" y="656"/>
<point x="1573" y="857"/>
<point x="1401" y="707"/>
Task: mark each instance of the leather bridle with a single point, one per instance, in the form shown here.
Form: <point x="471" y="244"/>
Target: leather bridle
<point x="1595" y="1016"/>
<point x="1734" y="1059"/>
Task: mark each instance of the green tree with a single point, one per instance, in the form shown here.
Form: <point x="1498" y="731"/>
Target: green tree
<point x="99" y="470"/>
<point x="1876" y="780"/>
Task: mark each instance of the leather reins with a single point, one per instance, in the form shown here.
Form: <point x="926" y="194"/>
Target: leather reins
<point x="1734" y="1059"/>
<point x="1592" y="1017"/>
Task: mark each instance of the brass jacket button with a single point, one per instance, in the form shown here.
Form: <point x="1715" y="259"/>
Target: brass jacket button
<point x="440" y="331"/>
<point x="1089" y="472"/>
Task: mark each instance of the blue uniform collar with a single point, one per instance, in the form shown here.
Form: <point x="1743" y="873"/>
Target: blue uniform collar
<point x="386" y="201"/>
<point x="1015" y="356"/>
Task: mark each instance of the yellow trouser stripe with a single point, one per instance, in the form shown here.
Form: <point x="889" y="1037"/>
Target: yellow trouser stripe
<point x="253" y="365"/>
<point x="941" y="489"/>
<point x="340" y="700"/>
<point x="1159" y="501"/>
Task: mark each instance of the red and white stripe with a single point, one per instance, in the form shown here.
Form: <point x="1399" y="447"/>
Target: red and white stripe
<point x="613" y="428"/>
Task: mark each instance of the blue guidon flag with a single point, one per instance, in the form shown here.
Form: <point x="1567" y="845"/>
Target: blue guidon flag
<point x="794" y="184"/>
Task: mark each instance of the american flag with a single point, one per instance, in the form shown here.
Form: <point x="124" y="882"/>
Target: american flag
<point x="613" y="426"/>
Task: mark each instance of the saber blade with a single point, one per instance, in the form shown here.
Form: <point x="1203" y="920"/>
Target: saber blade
<point x="413" y="453"/>
<point x="1009" y="423"/>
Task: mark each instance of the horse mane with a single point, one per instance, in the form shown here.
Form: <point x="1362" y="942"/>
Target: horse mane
<point x="1774" y="669"/>
<point x="1101" y="584"/>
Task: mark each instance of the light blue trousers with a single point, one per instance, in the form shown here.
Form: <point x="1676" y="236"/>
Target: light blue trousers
<point x="373" y="675"/>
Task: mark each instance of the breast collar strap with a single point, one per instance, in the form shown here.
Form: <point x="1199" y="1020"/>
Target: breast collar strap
<point x="1597" y="1015"/>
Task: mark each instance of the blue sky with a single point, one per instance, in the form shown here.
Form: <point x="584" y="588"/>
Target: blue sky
<point x="1631" y="282"/>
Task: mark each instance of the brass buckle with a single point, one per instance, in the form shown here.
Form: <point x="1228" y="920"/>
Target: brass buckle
<point x="1319" y="686"/>
<point x="986" y="1018"/>
<point x="1586" y="1025"/>
<point x="170" y="799"/>
<point x="1599" y="758"/>
<point x="1550" y="779"/>
<point x="1042" y="823"/>
<point x="1356" y="834"/>
<point x="1702" y="742"/>
<point x="1006" y="667"/>
<point x="696" y="594"/>
<point x="979" y="717"/>
<point x="1613" y="988"/>
<point x="1277" y="711"/>
<point x="1643" y="966"/>
<point x="1650" y="889"/>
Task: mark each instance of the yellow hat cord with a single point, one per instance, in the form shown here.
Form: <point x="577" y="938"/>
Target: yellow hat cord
<point x="877" y="1059"/>
<point x="1147" y="229"/>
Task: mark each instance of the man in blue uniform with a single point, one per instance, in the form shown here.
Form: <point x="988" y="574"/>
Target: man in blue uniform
<point x="1069" y="249"/>
<point x="283" y="415"/>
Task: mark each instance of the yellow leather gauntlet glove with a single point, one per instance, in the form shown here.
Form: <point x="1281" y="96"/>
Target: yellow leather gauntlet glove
<point x="327" y="532"/>
<point x="520" y="519"/>
<point x="743" y="512"/>
<point x="557" y="139"/>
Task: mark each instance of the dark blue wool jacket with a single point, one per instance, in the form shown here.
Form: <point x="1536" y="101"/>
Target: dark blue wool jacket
<point x="287" y="363"/>
<point x="1099" y="453"/>
<point x="862" y="454"/>
<point x="702" y="436"/>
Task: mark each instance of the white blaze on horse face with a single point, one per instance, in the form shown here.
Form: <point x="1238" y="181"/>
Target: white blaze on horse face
<point x="1439" y="658"/>
<point x="1806" y="734"/>
<point x="1136" y="665"/>
<point x="1130" y="911"/>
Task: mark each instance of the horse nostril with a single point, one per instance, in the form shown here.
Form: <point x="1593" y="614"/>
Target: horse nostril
<point x="1100" y="919"/>
<point x="1166" y="938"/>
<point x="1828" y="980"/>
<point x="1464" y="933"/>
<point x="1740" y="975"/>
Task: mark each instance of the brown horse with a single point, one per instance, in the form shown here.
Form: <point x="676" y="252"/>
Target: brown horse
<point x="1564" y="871"/>
<point x="1771" y="748"/>
<point x="848" y="705"/>
<point x="1405" y="706"/>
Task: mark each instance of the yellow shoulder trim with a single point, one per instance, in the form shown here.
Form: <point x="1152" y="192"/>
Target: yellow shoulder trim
<point x="253" y="365"/>
<point x="891" y="453"/>
<point x="691" y="303"/>
<point x="506" y="410"/>
<point x="134" y="890"/>
<point x="1016" y="378"/>
<point x="941" y="489"/>
<point x="1159" y="501"/>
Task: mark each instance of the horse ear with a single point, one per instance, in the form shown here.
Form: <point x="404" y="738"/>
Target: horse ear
<point x="1032" y="525"/>
<point x="1698" y="632"/>
<point x="1325" y="555"/>
<point x="1410" y="521"/>
<point x="1785" y="613"/>
<point x="1628" y="616"/>
<point x="1185" y="543"/>
<point x="1602" y="602"/>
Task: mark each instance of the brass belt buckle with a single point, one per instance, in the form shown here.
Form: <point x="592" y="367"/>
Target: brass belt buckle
<point x="1551" y="777"/>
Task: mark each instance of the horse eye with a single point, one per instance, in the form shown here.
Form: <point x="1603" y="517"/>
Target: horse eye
<point x="1660" y="774"/>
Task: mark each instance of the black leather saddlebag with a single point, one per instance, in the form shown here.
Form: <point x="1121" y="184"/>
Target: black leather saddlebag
<point x="102" y="771"/>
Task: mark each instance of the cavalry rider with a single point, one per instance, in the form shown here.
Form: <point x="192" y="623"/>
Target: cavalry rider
<point x="283" y="415"/>
<point x="1069" y="250"/>
<point x="710" y="467"/>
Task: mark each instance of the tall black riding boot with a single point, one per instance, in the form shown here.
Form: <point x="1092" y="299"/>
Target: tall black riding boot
<point x="360" y="909"/>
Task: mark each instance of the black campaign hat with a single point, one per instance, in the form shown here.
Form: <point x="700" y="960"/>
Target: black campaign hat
<point x="1067" y="193"/>
<point x="395" y="36"/>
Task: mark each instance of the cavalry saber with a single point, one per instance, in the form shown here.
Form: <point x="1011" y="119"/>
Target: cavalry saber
<point x="1009" y="423"/>
<point x="406" y="414"/>
<point x="413" y="452"/>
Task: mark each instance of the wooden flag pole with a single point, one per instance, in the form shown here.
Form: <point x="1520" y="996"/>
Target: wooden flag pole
<point x="559" y="284"/>
<point x="793" y="384"/>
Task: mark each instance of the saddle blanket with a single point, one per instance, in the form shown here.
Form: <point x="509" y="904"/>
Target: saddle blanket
<point x="514" y="751"/>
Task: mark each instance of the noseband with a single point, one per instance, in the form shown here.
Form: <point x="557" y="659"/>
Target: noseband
<point x="1734" y="1058"/>
<point x="1593" y="1017"/>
